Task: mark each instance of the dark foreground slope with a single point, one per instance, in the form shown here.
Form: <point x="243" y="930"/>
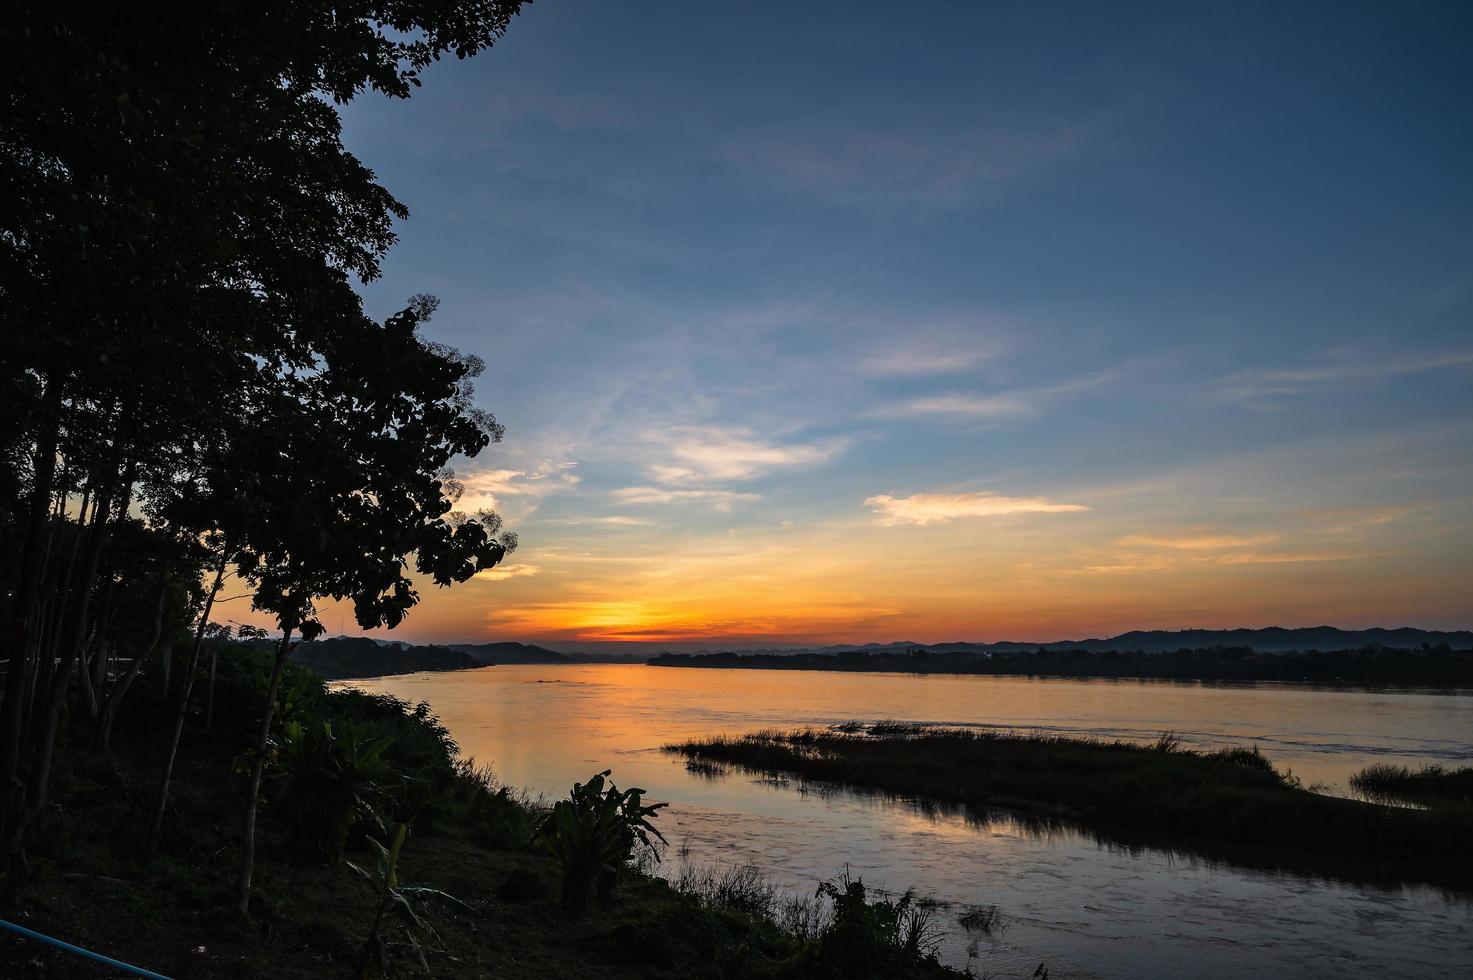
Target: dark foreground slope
<point x="348" y="767"/>
<point x="1225" y="804"/>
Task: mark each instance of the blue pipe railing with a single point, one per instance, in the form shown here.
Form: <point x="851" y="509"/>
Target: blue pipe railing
<point x="137" y="971"/>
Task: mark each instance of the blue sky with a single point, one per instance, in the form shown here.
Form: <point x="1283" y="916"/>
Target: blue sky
<point x="952" y="320"/>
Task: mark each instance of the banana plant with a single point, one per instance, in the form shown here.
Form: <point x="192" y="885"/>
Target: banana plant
<point x="592" y="835"/>
<point x="331" y="784"/>
<point x="400" y="917"/>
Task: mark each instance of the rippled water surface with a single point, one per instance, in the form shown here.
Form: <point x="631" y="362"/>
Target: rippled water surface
<point x="1088" y="909"/>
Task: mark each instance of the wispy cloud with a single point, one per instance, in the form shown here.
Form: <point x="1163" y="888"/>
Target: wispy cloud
<point x="1163" y="562"/>
<point x="1347" y="520"/>
<point x="1343" y="370"/>
<point x="503" y="572"/>
<point x="919" y="359"/>
<point x="615" y="520"/>
<point x="850" y="165"/>
<point x="484" y="487"/>
<point x="941" y="508"/>
<point x="1196" y="542"/>
<point x="1197" y="548"/>
<point x="995" y="405"/>
<point x="721" y="500"/>
<point x="715" y="454"/>
<point x="961" y="405"/>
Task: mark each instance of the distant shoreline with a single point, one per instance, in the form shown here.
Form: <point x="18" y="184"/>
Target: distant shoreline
<point x="1440" y="667"/>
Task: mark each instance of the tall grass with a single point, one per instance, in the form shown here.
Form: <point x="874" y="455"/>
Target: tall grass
<point x="843" y="929"/>
<point x="1429" y="786"/>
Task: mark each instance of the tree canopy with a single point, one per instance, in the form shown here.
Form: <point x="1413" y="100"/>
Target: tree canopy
<point x="184" y="354"/>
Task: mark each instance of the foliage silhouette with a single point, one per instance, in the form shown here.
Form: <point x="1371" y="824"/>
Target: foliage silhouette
<point x="401" y="911"/>
<point x="592" y="835"/>
<point x="178" y="243"/>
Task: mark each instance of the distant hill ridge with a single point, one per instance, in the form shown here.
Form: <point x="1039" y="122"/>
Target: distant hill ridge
<point x="510" y="653"/>
<point x="1271" y="639"/>
<point x="342" y="657"/>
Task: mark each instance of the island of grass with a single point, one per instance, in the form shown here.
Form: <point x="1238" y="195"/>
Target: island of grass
<point x="358" y="784"/>
<point x="1229" y="804"/>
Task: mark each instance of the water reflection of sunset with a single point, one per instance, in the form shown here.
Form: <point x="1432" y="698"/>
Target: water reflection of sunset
<point x="1060" y="889"/>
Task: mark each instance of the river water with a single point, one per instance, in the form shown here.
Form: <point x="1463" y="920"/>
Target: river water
<point x="1087" y="908"/>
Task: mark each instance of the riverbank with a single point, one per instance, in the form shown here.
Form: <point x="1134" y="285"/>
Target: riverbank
<point x="495" y="892"/>
<point x="1222" y="804"/>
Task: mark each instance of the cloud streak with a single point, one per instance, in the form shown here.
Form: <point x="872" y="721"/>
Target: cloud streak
<point x="488" y="487"/>
<point x="942" y="508"/>
<point x="1159" y="562"/>
<point x="916" y="360"/>
<point x="1344" y="371"/>
<point x="713" y="454"/>
<point x="963" y="406"/>
<point x="502" y="572"/>
<point x="721" y="500"/>
<point x="998" y="405"/>
<point x="1196" y="542"/>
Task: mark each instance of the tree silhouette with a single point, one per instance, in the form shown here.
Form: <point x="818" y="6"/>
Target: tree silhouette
<point x="180" y="229"/>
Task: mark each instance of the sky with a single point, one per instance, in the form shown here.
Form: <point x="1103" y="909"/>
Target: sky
<point x="817" y="323"/>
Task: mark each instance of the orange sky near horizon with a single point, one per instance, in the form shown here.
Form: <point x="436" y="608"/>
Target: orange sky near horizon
<point x="1027" y="576"/>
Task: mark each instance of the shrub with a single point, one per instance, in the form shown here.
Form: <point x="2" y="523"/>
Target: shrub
<point x="400" y="918"/>
<point x="881" y="938"/>
<point x="592" y="835"/>
<point x="329" y="786"/>
<point x="494" y="814"/>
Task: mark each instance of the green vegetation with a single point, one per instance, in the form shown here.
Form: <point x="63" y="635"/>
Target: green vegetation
<point x="866" y="936"/>
<point x="192" y="389"/>
<point x="401" y="911"/>
<point x="382" y="852"/>
<point x="1230" y="803"/>
<point x="1432" y="666"/>
<point x="592" y="835"/>
<point x="1431" y="786"/>
<point x="358" y="656"/>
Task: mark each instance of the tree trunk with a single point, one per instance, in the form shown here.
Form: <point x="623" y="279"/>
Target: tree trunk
<point x="115" y="696"/>
<point x="76" y="636"/>
<point x="95" y="666"/>
<point x="183" y="710"/>
<point x="21" y="629"/>
<point x="258" y="767"/>
<point x="210" y="696"/>
<point x="56" y="625"/>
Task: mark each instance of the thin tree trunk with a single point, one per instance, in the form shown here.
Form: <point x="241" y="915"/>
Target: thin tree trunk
<point x="210" y="697"/>
<point x="96" y="665"/>
<point x="84" y="672"/>
<point x="258" y="767"/>
<point x="21" y="628"/>
<point x="183" y="710"/>
<point x="71" y="650"/>
<point x="56" y="626"/>
<point x="115" y="696"/>
<point x="166" y="667"/>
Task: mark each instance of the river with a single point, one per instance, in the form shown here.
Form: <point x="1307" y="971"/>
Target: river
<point x="1088" y="909"/>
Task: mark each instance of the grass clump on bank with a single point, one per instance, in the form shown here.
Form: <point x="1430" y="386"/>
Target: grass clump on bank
<point x="381" y="852"/>
<point x="1194" y="799"/>
<point x="1431" y="786"/>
